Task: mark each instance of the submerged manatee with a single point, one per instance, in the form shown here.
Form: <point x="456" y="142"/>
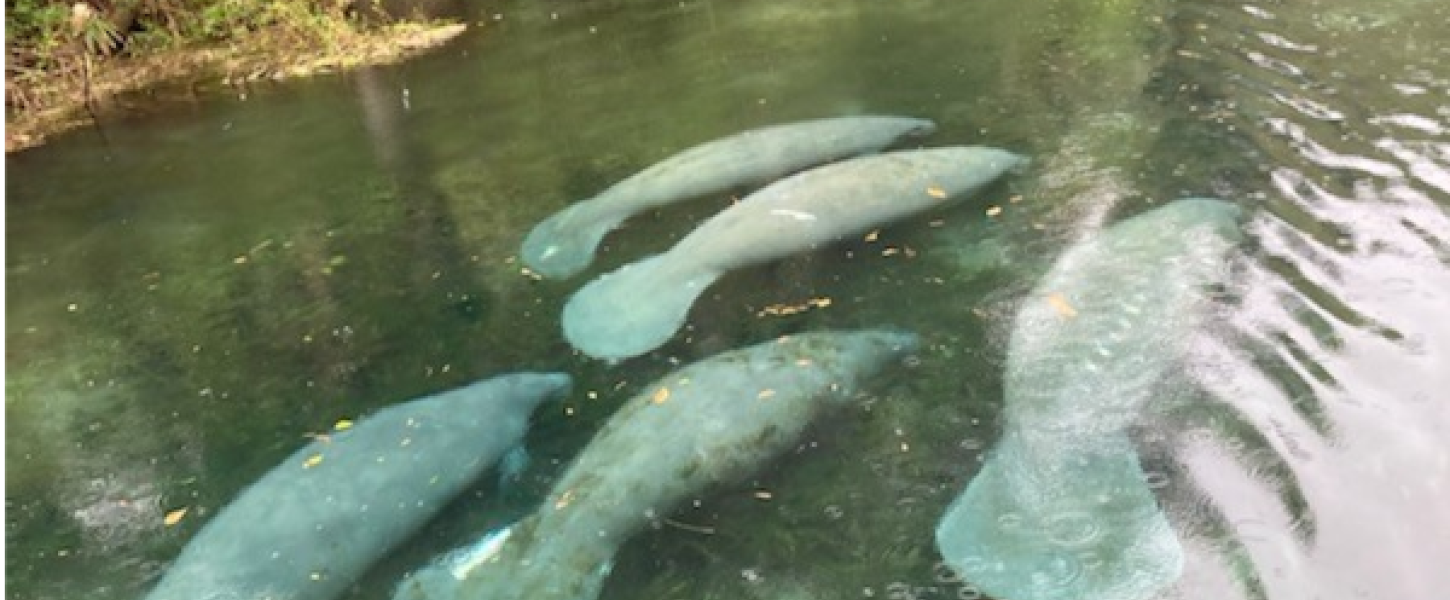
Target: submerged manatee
<point x="640" y="306"/>
<point x="1060" y="509"/>
<point x="714" y="421"/>
<point x="564" y="244"/>
<point x="309" y="527"/>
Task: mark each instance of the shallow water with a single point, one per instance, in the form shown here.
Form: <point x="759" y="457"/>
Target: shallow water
<point x="195" y="290"/>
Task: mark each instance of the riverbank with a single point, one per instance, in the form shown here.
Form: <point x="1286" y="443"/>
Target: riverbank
<point x="41" y="104"/>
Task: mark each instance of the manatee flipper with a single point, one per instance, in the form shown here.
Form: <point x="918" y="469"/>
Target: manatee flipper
<point x="1039" y="523"/>
<point x="503" y="557"/>
<point x="441" y="578"/>
<point x="512" y="466"/>
<point x="635" y="309"/>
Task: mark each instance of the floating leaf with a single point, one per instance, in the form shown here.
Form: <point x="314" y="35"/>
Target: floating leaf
<point x="936" y="192"/>
<point x="342" y="425"/>
<point x="174" y="516"/>
<point x="312" y="461"/>
<point x="993" y="211"/>
<point x="1060" y="304"/>
<point x="661" y="395"/>
<point x="778" y="310"/>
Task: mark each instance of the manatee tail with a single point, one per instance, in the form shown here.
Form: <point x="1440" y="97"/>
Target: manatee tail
<point x="564" y="244"/>
<point x="1087" y="526"/>
<point x="634" y="309"/>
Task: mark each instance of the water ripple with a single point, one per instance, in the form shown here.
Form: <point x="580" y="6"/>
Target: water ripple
<point x="1326" y="158"/>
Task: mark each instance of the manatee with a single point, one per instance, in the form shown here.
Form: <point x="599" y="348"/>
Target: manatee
<point x="713" y="422"/>
<point x="638" y="307"/>
<point x="564" y="244"/>
<point x="309" y="527"/>
<point x="1060" y="509"/>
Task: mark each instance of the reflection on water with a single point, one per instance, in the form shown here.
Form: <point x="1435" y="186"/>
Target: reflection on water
<point x="187" y="302"/>
<point x="1339" y="306"/>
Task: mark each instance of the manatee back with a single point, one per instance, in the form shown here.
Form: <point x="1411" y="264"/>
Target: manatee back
<point x="760" y="155"/>
<point x="311" y="525"/>
<point x="722" y="415"/>
<point x="1112" y="316"/>
<point x="816" y="207"/>
<point x="1060" y="509"/>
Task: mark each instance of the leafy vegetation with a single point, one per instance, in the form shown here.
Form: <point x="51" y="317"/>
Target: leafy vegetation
<point x="39" y="31"/>
<point x="65" y="58"/>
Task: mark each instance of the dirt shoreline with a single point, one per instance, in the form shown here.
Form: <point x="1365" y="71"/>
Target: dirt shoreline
<point x="263" y="56"/>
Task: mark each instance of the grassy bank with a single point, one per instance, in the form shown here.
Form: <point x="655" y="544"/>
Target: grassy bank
<point x="66" y="63"/>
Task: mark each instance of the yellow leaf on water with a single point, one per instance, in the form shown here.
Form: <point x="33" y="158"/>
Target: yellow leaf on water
<point x="1060" y="304"/>
<point x="661" y="395"/>
<point x="993" y="211"/>
<point x="174" y="516"/>
<point x="342" y="425"/>
<point x="936" y="192"/>
<point x="312" y="461"/>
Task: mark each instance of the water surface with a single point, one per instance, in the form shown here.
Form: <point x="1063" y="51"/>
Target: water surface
<point x="195" y="291"/>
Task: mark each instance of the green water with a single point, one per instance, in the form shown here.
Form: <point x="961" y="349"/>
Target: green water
<point x="192" y="290"/>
